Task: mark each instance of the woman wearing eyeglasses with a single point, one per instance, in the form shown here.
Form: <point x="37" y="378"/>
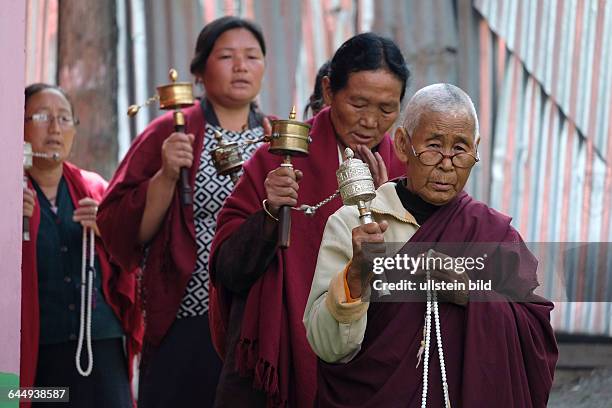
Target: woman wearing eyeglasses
<point x="68" y="308"/>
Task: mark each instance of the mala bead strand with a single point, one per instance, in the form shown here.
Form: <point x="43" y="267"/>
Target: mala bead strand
<point x="432" y="303"/>
<point x="427" y="341"/>
<point x="87" y="278"/>
<point x="440" y="350"/>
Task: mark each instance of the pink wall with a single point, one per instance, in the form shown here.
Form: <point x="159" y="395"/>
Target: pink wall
<point x="12" y="82"/>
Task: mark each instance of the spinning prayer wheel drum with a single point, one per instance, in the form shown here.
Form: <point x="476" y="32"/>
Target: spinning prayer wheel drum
<point x="355" y="180"/>
<point x="356" y="185"/>
<point x="290" y="137"/>
<point x="227" y="157"/>
<point x="175" y="95"/>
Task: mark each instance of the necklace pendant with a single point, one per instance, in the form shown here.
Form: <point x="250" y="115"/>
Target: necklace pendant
<point x="420" y="353"/>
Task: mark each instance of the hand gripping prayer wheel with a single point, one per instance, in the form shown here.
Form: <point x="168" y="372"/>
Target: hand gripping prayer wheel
<point x="356" y="185"/>
<point x="174" y="96"/>
<point x="289" y="138"/>
<point x="227" y="157"/>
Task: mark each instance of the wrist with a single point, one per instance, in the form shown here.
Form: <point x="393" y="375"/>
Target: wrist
<point x="271" y="211"/>
<point x="353" y="282"/>
<point x="167" y="175"/>
<point x="166" y="178"/>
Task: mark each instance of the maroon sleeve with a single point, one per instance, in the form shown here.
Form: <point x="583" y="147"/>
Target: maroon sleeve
<point x="241" y="259"/>
<point x="120" y="212"/>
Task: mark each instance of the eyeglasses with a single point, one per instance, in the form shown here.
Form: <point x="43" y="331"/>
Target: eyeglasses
<point x="44" y="119"/>
<point x="463" y="160"/>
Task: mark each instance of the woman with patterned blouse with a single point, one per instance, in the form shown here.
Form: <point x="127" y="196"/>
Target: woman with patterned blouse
<point x="143" y="221"/>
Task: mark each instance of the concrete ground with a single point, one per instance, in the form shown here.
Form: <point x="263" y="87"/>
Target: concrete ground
<point x="582" y="388"/>
<point x="583" y="378"/>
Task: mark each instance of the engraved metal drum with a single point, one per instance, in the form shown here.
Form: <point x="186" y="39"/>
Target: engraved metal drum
<point x="289" y="137"/>
<point x="227" y="158"/>
<point x="175" y="95"/>
<point x="355" y="180"/>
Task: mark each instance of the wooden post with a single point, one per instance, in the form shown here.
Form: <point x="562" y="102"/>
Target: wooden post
<point x="87" y="70"/>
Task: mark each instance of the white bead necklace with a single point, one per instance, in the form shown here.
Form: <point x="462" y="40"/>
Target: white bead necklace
<point x="87" y="278"/>
<point x="432" y="303"/>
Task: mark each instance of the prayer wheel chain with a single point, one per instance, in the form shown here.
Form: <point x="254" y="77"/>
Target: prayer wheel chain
<point x="311" y="209"/>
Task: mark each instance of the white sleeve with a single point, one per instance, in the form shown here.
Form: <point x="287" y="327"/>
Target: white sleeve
<point x="334" y="327"/>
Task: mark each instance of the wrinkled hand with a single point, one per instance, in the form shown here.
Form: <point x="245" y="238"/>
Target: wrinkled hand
<point x="375" y="163"/>
<point x="177" y="152"/>
<point x="86" y="213"/>
<point x="447" y="275"/>
<point x="28" y="202"/>
<point x="282" y="188"/>
<point x="372" y="233"/>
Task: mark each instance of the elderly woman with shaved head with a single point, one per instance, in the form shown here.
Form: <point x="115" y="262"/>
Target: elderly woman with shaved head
<point x="483" y="347"/>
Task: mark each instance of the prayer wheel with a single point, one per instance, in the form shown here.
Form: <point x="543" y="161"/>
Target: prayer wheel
<point x="28" y="162"/>
<point x="227" y="157"/>
<point x="174" y="96"/>
<point x="289" y="138"/>
<point x="356" y="185"/>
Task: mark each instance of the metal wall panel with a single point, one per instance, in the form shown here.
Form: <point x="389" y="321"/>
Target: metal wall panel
<point x="41" y="41"/>
<point x="551" y="164"/>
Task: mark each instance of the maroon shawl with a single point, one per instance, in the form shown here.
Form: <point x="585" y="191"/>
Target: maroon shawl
<point x="172" y="253"/>
<point x="273" y="346"/>
<point x="498" y="354"/>
<point x="118" y="285"/>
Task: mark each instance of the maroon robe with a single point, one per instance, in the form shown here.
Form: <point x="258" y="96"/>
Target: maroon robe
<point x="497" y="353"/>
<point x="118" y="285"/>
<point x="273" y="348"/>
<point x="172" y="253"/>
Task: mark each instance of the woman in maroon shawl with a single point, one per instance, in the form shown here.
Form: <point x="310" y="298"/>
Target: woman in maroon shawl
<point x="60" y="201"/>
<point x="143" y="221"/>
<point x="496" y="352"/>
<point x="259" y="292"/>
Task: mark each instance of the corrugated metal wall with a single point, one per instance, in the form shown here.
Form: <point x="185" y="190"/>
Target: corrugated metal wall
<point x="41" y="41"/>
<point x="301" y="35"/>
<point x="539" y="72"/>
<point x="546" y="106"/>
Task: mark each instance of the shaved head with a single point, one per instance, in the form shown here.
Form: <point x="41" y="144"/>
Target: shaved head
<point x="440" y="98"/>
